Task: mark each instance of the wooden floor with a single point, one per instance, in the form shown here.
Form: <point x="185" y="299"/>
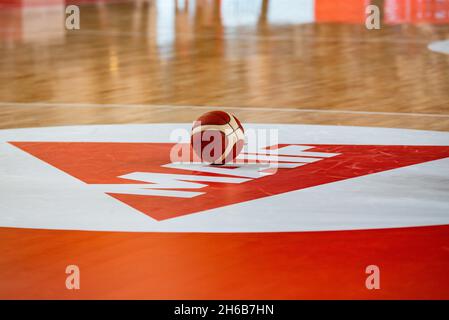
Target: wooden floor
<point x="163" y="61"/>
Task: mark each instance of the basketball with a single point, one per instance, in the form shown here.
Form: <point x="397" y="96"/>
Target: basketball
<point x="217" y="137"/>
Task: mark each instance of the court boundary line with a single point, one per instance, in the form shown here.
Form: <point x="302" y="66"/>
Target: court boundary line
<point x="243" y="36"/>
<point x="280" y="109"/>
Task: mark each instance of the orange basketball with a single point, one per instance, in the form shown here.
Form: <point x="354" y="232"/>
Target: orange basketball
<point x="217" y="137"/>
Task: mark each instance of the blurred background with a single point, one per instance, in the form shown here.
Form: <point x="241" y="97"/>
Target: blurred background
<point x="133" y="61"/>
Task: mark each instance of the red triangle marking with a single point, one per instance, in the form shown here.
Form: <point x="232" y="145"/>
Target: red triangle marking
<point x="104" y="162"/>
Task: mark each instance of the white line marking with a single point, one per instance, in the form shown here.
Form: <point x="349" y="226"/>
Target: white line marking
<point x="263" y="157"/>
<point x="280" y="109"/>
<point x="439" y="46"/>
<point x="243" y="36"/>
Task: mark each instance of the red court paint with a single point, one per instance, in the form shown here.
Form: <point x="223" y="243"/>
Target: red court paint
<point x="103" y="163"/>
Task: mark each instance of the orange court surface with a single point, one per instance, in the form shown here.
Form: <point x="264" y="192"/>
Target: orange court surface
<point x="345" y="195"/>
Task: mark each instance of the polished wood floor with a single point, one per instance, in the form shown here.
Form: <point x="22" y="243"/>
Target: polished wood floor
<point x="169" y="61"/>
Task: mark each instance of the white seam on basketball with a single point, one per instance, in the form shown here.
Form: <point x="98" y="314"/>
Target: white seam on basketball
<point x="223" y="128"/>
<point x="229" y="148"/>
<point x="232" y="122"/>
